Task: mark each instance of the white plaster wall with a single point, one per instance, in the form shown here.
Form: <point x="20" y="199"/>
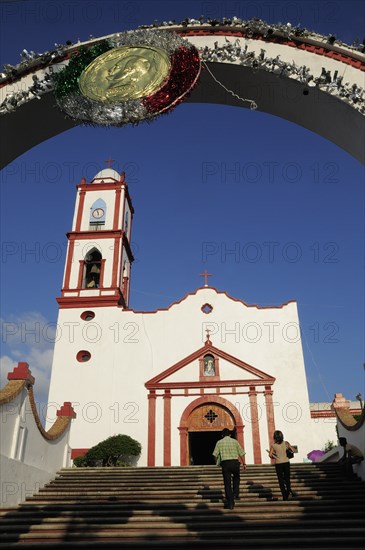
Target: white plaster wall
<point x="19" y="480"/>
<point x="129" y="348"/>
<point x="324" y="429"/>
<point x="27" y="466"/>
<point x="10" y="419"/>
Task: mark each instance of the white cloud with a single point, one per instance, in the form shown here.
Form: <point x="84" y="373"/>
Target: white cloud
<point x="7" y="365"/>
<point x="28" y="338"/>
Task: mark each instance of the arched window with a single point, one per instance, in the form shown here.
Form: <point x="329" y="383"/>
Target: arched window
<point x="92" y="269"/>
<point x="97" y="215"/>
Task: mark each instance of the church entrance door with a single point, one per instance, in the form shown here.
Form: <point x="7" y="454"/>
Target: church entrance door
<point x="201" y="447"/>
<point x="205" y="425"/>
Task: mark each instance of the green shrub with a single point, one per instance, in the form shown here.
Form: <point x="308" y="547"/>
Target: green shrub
<point x="117" y="450"/>
<point x="79" y="461"/>
<point x="328" y="446"/>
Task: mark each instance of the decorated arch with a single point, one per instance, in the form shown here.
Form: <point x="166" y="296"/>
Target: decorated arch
<point x="130" y="77"/>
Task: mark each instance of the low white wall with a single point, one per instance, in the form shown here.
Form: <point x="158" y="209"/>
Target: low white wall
<point x="29" y="457"/>
<point x="357" y="438"/>
<point x="19" y="481"/>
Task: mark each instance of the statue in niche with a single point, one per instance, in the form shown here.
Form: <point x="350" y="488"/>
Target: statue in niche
<point x="209" y="367"/>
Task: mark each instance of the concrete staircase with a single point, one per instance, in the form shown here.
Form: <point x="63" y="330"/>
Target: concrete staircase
<point x="182" y="508"/>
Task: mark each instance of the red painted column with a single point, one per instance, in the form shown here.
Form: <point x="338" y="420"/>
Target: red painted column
<point x="151" y="445"/>
<point x="116" y="208"/>
<point x="116" y="266"/>
<point x="255" y="426"/>
<point x="183" y="446"/>
<point x="81" y="273"/>
<point x="80" y="211"/>
<point x="167" y="428"/>
<point x="239" y="432"/>
<point x="269" y="412"/>
<point x="70" y="253"/>
<point x="102" y="270"/>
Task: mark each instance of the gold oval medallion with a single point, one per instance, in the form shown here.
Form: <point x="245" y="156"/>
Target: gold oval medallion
<point x="121" y="74"/>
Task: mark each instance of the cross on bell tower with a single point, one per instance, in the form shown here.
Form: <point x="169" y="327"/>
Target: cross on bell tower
<point x="109" y="162"/>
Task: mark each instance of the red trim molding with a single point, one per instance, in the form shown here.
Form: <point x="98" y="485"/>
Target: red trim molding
<point x="80" y="211"/>
<point x="93" y="235"/>
<point x="255" y="426"/>
<point x="78" y="452"/>
<point x="67" y="302"/>
<point x="167" y="428"/>
<point x="262" y="378"/>
<point x="70" y="254"/>
<point x="151" y="445"/>
<point x="203" y="289"/>
<point x="270" y="416"/>
<point x="115" y="262"/>
<point x="118" y="193"/>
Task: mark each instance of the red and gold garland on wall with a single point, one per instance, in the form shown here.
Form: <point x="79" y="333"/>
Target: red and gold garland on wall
<point x="130" y="78"/>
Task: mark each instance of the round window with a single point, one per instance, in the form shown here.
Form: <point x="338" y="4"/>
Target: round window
<point x="83" y="356"/>
<point x="87" y="315"/>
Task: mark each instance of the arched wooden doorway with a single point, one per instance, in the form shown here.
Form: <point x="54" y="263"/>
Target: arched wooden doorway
<point x="200" y="428"/>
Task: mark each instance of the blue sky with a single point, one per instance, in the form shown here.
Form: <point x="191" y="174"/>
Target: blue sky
<point x="293" y="212"/>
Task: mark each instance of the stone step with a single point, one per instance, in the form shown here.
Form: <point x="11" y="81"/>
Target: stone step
<point x="200" y="521"/>
<point x="174" y="507"/>
<point x="132" y="496"/>
<point x="114" y="507"/>
<point x="218" y="544"/>
<point x="122" y="508"/>
<point x="189" y="536"/>
<point x="167" y="529"/>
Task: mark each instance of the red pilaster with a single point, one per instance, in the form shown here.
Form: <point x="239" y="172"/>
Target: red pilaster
<point x="255" y="426"/>
<point x="183" y="446"/>
<point x="269" y="412"/>
<point x="70" y="254"/>
<point x="116" y="208"/>
<point x="167" y="428"/>
<point x="151" y="428"/>
<point x="102" y="271"/>
<point x="240" y="439"/>
<point x="115" y="262"/>
<point x="80" y="210"/>
<point x="81" y="273"/>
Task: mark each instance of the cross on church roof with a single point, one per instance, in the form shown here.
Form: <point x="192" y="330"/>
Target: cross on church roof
<point x="205" y="275"/>
<point x="109" y="161"/>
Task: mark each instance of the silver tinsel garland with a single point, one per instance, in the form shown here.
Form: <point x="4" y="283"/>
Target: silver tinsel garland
<point x="89" y="111"/>
<point x="134" y="111"/>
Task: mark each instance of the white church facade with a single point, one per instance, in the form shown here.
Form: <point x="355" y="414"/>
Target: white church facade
<point x="172" y="378"/>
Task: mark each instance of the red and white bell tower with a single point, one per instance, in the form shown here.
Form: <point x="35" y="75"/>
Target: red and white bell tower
<point x="99" y="255"/>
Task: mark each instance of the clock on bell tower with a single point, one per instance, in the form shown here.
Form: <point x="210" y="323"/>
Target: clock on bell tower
<point x="99" y="256"/>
